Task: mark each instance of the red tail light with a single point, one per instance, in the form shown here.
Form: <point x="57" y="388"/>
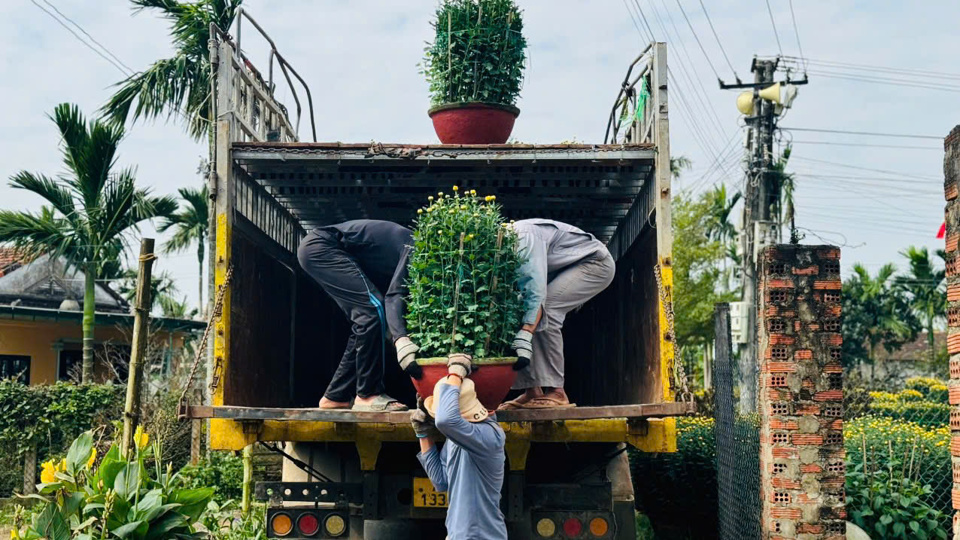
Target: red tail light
<point x="308" y="524"/>
<point x="572" y="527"/>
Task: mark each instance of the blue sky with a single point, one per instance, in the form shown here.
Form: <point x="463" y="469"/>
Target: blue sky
<point x="360" y="59"/>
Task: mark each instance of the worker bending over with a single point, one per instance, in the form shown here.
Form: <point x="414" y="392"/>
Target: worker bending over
<point x="470" y="466"/>
<point x="353" y="261"/>
<point x="564" y="267"/>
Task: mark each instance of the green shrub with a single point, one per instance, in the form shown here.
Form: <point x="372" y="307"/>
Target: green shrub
<point x="477" y="54"/>
<point x="886" y="440"/>
<point x="678" y="491"/>
<point x="223" y="471"/>
<point x="886" y="499"/>
<point x="224" y="522"/>
<point x="463" y="278"/>
<point x="123" y="497"/>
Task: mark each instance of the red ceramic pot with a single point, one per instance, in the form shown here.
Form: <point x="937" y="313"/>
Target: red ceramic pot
<point x="492" y="377"/>
<point x="473" y="123"/>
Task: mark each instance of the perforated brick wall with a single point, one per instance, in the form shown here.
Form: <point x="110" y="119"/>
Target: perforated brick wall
<point x="951" y="190"/>
<point x="801" y="395"/>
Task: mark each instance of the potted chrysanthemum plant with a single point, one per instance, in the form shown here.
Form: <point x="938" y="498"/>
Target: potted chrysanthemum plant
<point x="463" y="292"/>
<point x="475" y="69"/>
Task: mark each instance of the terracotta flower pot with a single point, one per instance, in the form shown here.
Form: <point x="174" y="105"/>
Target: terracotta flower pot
<point x="493" y="378"/>
<point x="473" y="123"/>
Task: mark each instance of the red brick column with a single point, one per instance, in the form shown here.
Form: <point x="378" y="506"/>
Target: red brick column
<point x="801" y="393"/>
<point x="951" y="189"/>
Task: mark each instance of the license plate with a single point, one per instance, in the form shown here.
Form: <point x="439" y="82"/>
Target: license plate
<point x="424" y="496"/>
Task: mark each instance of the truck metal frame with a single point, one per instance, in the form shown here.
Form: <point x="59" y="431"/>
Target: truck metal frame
<point x="268" y="188"/>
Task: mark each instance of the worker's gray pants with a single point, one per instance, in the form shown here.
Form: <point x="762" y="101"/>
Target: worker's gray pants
<point x="566" y="291"/>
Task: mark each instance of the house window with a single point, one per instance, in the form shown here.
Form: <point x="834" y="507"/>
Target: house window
<point x="15" y="367"/>
<point x="71" y="365"/>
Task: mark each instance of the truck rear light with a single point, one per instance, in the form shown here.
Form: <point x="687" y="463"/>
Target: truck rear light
<point x="281" y="524"/>
<point x="598" y="527"/>
<point x="546" y="528"/>
<point x="572" y="527"/>
<point x="308" y="524"/>
<point x="335" y="525"/>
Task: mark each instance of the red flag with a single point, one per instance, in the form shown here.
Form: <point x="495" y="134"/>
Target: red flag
<point x="943" y="230"/>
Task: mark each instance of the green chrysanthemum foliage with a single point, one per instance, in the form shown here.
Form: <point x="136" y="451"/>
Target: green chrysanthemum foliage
<point x="463" y="278"/>
<point x="478" y="53"/>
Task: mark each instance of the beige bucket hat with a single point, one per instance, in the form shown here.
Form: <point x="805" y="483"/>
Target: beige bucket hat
<point x="470" y="407"/>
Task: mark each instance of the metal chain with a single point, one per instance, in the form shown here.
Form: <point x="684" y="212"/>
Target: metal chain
<point x="679" y="372"/>
<point x="202" y="347"/>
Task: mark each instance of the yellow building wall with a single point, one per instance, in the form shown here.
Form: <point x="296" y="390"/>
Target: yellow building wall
<point x="36" y="339"/>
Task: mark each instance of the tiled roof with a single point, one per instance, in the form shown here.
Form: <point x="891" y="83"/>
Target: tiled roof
<point x="10" y="259"/>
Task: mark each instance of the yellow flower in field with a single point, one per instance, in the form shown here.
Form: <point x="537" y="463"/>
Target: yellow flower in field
<point x="419" y="210"/>
<point x="456" y="188"/>
<point x="141" y="438"/>
<point x="463" y="207"/>
<point x="430" y="198"/>
<point x="14" y="534"/>
<point x="93" y="457"/>
<point x="429" y="209"/>
<point x="48" y="472"/>
<point x="473" y="192"/>
<point x="440" y="194"/>
<point x="490" y="198"/>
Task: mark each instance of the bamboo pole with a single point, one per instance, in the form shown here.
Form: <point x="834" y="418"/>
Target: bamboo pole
<point x="247" y="480"/>
<point x="131" y="409"/>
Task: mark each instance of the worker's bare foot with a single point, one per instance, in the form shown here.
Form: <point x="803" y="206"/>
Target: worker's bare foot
<point x="330" y="404"/>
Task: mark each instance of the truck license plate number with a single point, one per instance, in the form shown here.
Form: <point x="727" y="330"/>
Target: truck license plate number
<point x="424" y="496"/>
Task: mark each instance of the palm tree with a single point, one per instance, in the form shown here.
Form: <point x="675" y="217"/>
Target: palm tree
<point x="163" y="289"/>
<point x="90" y="209"/>
<point x="875" y="313"/>
<point x="785" y="209"/>
<point x="190" y="226"/>
<point x="181" y="84"/>
<point x="925" y="286"/>
<point x="678" y="165"/>
<point x="719" y="227"/>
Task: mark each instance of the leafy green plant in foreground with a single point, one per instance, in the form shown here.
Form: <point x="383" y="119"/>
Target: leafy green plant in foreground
<point x="463" y="278"/>
<point x="122" y="498"/>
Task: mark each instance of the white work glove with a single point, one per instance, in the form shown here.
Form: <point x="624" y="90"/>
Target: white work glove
<point x="407" y="357"/>
<point x="523" y="344"/>
<point x="459" y="364"/>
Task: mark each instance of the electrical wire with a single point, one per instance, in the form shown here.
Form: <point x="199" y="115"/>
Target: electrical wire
<point x="882" y="171"/>
<point x="866" y="133"/>
<point x="879" y="69"/>
<point x="720" y="45"/>
<point x="695" y="36"/>
<point x="793" y="17"/>
<point x="887" y="81"/>
<point x="79" y="38"/>
<point x="773" y="23"/>
<point x="901" y="147"/>
<point x="130" y="70"/>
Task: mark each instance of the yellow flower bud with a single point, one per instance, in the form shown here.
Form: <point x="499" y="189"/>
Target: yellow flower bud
<point x="419" y="210"/>
<point x="141" y="438"/>
<point x="93" y="458"/>
<point x="456" y="188"/>
<point x="440" y="194"/>
<point x="463" y="207"/>
<point x="430" y="198"/>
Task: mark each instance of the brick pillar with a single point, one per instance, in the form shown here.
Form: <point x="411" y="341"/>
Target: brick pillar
<point x="801" y="393"/>
<point x="951" y="189"/>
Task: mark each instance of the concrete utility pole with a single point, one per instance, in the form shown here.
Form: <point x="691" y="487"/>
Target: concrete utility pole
<point x="760" y="199"/>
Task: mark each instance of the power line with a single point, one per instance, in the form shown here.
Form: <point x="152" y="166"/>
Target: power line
<point x="793" y="17"/>
<point x="887" y="80"/>
<point x="881" y="69"/>
<point x="866" y="133"/>
<point x="882" y="171"/>
<point x="76" y="35"/>
<point x="901" y="147"/>
<point x="717" y="37"/>
<point x="695" y="36"/>
<point x="74" y="23"/>
<point x="774" y="24"/>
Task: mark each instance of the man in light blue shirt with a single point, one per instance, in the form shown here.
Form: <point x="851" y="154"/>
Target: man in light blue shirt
<point x="470" y="467"/>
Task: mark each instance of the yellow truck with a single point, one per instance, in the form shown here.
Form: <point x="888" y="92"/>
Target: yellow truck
<point x="278" y="337"/>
